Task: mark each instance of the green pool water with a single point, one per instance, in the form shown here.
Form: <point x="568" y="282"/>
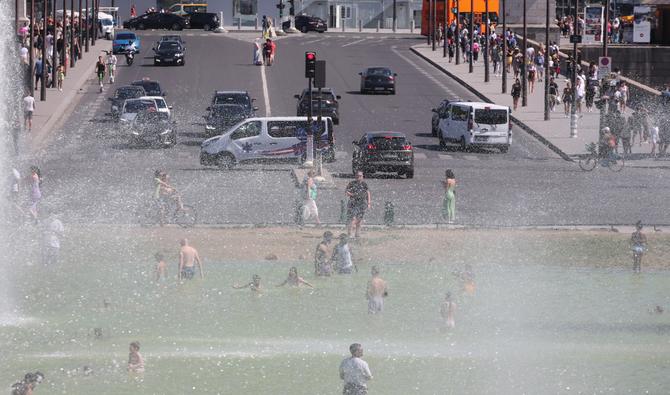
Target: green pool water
<point x="527" y="329"/>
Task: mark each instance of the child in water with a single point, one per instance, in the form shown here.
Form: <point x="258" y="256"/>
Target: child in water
<point x="161" y="267"/>
<point x="447" y="310"/>
<point x="135" y="360"/>
<point x="254" y="285"/>
<point x="294" y="280"/>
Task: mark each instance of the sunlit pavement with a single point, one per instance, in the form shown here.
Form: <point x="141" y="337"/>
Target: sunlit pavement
<point x="93" y="175"/>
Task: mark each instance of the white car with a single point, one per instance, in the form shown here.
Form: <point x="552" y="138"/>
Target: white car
<point x="475" y="124"/>
<point x="145" y="103"/>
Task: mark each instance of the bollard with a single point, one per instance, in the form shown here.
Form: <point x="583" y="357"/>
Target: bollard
<point x="239" y="23"/>
<point x="378" y="26"/>
<point x="343" y="22"/>
<point x="389" y="213"/>
<point x="256" y="23"/>
<point x="411" y="26"/>
<point x="395" y="25"/>
<point x="343" y="212"/>
<point x="360" y="26"/>
<point x="297" y="217"/>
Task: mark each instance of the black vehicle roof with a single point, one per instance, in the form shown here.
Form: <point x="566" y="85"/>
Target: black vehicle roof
<point x="142" y="82"/>
<point x="221" y="93"/>
<point x="314" y="91"/>
<point x="385" y="134"/>
<point x="129" y="87"/>
<point x="171" y="37"/>
<point x="378" y="68"/>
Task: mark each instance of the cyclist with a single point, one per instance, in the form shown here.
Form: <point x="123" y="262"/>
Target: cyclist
<point x="100" y="71"/>
<point x="111" y="65"/>
<point x="607" y="145"/>
<point x="164" y="193"/>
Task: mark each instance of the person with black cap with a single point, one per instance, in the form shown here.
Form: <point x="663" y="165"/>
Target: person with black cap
<point x="638" y="243"/>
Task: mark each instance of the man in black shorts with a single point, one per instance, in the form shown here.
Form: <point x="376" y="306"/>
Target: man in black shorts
<point x="359" y="201"/>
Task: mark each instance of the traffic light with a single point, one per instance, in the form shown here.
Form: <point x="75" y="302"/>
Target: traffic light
<point x="310" y="64"/>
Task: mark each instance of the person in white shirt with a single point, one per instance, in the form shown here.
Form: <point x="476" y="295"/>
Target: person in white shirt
<point x="342" y="256"/>
<point x="52" y="234"/>
<point x="111" y="65"/>
<point x="355" y="372"/>
<point x="28" y="110"/>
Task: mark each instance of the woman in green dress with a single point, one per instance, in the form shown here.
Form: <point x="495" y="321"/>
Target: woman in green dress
<point x="449" y="202"/>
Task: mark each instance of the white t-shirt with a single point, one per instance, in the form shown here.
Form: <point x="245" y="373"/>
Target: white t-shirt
<point x="111" y="60"/>
<point x="23" y="53"/>
<point x="28" y="103"/>
<point x="55" y="229"/>
<point x="344" y="257"/>
<point x="355" y="370"/>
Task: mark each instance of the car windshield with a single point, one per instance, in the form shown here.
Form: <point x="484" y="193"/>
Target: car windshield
<point x="127" y="36"/>
<point x="315" y="96"/>
<point x="151" y="117"/>
<point x="491" y="117"/>
<point x="134" y="106"/>
<point x="239" y="99"/>
<point x="170" y="38"/>
<point x="379" y="71"/>
<point x="389" y="142"/>
<point x="106" y="22"/>
<point x="150" y="86"/>
<point x="226" y="111"/>
<point x="169" y="45"/>
<point x="129" y="93"/>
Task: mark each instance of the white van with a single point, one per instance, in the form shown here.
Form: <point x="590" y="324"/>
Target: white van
<point x="268" y="138"/>
<point x="476" y="124"/>
<point x="106" y="25"/>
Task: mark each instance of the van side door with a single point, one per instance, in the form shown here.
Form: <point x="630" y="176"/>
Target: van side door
<point x="246" y="141"/>
<point x="282" y="139"/>
<point x="444" y="115"/>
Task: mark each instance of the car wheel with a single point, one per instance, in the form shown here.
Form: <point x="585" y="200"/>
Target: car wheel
<point x="443" y="144"/>
<point x="225" y="161"/>
<point x="155" y="63"/>
<point x="504" y="149"/>
<point x="176" y="26"/>
<point x="433" y="130"/>
<point x="304" y="29"/>
<point x="140" y="26"/>
<point x="207" y="27"/>
<point x="392" y="91"/>
<point x="409" y="173"/>
<point x="463" y="144"/>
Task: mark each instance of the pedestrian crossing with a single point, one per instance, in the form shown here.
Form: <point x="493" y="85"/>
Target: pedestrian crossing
<point x="436" y="156"/>
<point x="344" y="41"/>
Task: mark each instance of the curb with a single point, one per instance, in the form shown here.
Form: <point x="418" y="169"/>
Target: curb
<point x="516" y="120"/>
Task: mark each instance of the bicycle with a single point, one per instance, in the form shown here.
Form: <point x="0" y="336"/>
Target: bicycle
<point x="160" y="212"/>
<point x="613" y="160"/>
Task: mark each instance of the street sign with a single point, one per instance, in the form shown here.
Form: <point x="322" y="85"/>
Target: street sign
<point x="575" y="39"/>
<point x="604" y="66"/>
<point x="320" y="74"/>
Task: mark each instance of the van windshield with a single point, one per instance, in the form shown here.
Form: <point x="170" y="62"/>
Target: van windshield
<point x="491" y="117"/>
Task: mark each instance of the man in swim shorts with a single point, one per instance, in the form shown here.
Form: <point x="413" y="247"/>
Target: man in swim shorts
<point x="377" y="291"/>
<point x="188" y="257"/>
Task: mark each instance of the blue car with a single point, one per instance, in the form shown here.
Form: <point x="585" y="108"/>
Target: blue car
<point x="123" y="40"/>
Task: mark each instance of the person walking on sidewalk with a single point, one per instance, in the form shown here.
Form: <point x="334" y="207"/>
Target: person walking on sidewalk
<point x="309" y="208"/>
<point x="449" y="201"/>
<point x="532" y="76"/>
<point x="111" y="65"/>
<point x="60" y="75"/>
<point x="100" y="71"/>
<point x="553" y="94"/>
<point x="39" y="66"/>
<point x="567" y="98"/>
<point x="495" y="57"/>
<point x="516" y="93"/>
<point x="28" y="110"/>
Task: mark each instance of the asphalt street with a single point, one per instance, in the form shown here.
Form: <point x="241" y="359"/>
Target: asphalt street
<point x="93" y="175"/>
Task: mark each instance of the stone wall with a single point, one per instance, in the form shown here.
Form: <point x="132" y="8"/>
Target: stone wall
<point x="646" y="64"/>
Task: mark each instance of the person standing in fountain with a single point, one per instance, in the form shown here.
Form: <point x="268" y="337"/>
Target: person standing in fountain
<point x="53" y="232"/>
<point x="293" y="280"/>
<point x="355" y="372"/>
<point x="188" y="257"/>
<point x="342" y="256"/>
<point x="35" y="191"/>
<point x="161" y="267"/>
<point x="322" y="255"/>
<point x="28" y="110"/>
<point x="447" y="310"/>
<point x="254" y="285"/>
<point x="449" y="201"/>
<point x="359" y="201"/>
<point x="377" y="291"/>
<point x="638" y="243"/>
<point x="135" y="360"/>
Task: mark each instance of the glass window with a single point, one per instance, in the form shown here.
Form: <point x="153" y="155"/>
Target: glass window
<point x="459" y="113"/>
<point x="491" y="117"/>
<point x="175" y="8"/>
<point x="389" y="142"/>
<point x="161" y="104"/>
<point x="283" y="129"/>
<point x="249" y="129"/>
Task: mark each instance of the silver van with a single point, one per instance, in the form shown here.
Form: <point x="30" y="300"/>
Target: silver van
<point x="476" y="124"/>
<point x="268" y="138"/>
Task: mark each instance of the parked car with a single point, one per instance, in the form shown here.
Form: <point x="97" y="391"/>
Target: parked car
<point x="153" y="88"/>
<point x="383" y="151"/>
<point x="439" y="112"/>
<point x="330" y="107"/>
<point x="203" y="20"/>
<point x="306" y="23"/>
<point x="221" y="117"/>
<point x="123" y="93"/>
<point x="152" y="127"/>
<point x="122" y="40"/>
<point x="157" y="20"/>
<point x="187" y="8"/>
<point x="378" y="79"/>
<point x="476" y="124"/>
<point x="169" y="52"/>
<point x="269" y="138"/>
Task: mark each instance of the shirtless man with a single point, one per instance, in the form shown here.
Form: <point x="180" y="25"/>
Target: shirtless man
<point x="322" y="255"/>
<point x="188" y="257"/>
<point x="376" y="292"/>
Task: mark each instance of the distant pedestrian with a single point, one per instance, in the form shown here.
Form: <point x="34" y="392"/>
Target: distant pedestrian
<point x="28" y="110"/>
<point x="100" y="71"/>
<point x="449" y="201"/>
<point x="293" y="280"/>
<point x="342" y="256"/>
<point x="567" y="98"/>
<point x="111" y="66"/>
<point x="53" y="232"/>
<point x="309" y="208"/>
<point x="254" y="285"/>
<point x="60" y="75"/>
<point x="269" y="50"/>
<point x="653" y="140"/>
<point x="161" y="267"/>
<point x="133" y="11"/>
<point x="447" y="310"/>
<point x="258" y="53"/>
<point x="626" y="136"/>
<point x="377" y="291"/>
<point x="496" y="59"/>
<point x="38" y="70"/>
<point x="359" y="201"/>
<point x="323" y="254"/>
<point x="532" y="75"/>
<point x="516" y="93"/>
<point x="539" y="62"/>
<point x="35" y="191"/>
<point x="475" y="51"/>
<point x="553" y="94"/>
<point x="135" y="360"/>
<point x="188" y="258"/>
<point x="451" y="49"/>
<point x="355" y="372"/>
<point x="638" y="242"/>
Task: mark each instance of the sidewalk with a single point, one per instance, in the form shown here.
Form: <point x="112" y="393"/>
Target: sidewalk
<point x="58" y="104"/>
<point x="554" y="133"/>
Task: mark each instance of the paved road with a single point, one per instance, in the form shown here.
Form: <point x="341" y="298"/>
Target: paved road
<point x="93" y="175"/>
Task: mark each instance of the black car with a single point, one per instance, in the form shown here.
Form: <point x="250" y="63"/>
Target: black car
<point x="157" y="20"/>
<point x="169" y="52"/>
<point x="152" y="127"/>
<point x="235" y="97"/>
<point x="203" y="20"/>
<point x="221" y="117"/>
<point x="152" y="88"/>
<point x="330" y="107"/>
<point x="378" y="79"/>
<point x="123" y="93"/>
<point x="172" y="37"/>
<point x="383" y="151"/>
<point x="440" y="112"/>
<point x="305" y="23"/>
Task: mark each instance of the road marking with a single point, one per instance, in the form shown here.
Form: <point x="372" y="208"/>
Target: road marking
<point x="314" y="41"/>
<point x="470" y="157"/>
<point x="422" y="71"/>
<point x="354" y="42"/>
<point x="266" y="95"/>
<point x="420" y="155"/>
<point x="445" y="156"/>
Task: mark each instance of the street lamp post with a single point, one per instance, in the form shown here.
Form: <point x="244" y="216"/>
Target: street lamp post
<point x="573" y="107"/>
<point x="43" y="82"/>
<point x="430" y="21"/>
<point x="71" y="33"/>
<point x="504" y="60"/>
<point x="524" y="77"/>
<point x="472" y="33"/>
<point x="86" y="30"/>
<point x="94" y="22"/>
<point x="394" y="16"/>
<point x="445" y="26"/>
<point x="434" y="24"/>
<point x="457" y="39"/>
<point x="79" y="34"/>
<point x="63" y="54"/>
<point x="486" y="43"/>
<point x="605" y="23"/>
<point x="54" y="52"/>
<point x="547" y="116"/>
<point x="31" y="72"/>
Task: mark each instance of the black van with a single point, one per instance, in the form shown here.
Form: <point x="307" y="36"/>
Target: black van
<point x="203" y="20"/>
